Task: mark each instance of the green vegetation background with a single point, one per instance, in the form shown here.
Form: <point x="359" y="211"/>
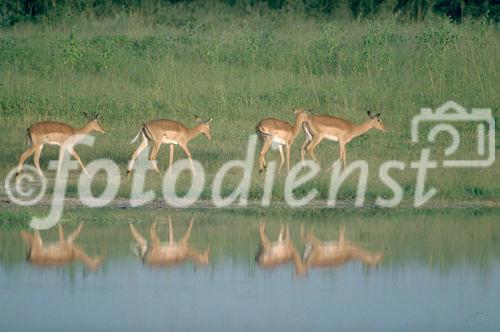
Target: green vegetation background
<point x="15" y="11"/>
<point x="243" y="65"/>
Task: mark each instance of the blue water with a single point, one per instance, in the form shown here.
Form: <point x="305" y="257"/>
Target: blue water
<point x="233" y="295"/>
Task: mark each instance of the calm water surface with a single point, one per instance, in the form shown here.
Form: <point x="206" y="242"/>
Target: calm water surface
<point x="439" y="272"/>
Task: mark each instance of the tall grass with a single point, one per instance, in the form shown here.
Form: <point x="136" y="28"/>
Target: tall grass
<point x="240" y="68"/>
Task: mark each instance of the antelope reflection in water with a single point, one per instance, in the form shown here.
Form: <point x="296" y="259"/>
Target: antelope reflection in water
<point x="58" y="253"/>
<point x="272" y="254"/>
<point x="334" y="253"/>
<point x="170" y="253"/>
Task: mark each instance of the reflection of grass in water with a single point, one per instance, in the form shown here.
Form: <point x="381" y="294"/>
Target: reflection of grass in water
<point x="440" y="239"/>
<point x="241" y="70"/>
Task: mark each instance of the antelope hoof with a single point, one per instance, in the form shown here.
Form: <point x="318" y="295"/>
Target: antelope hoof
<point x="17" y="174"/>
<point x="263" y="171"/>
<point x="128" y="173"/>
<point x="84" y="170"/>
<point x="302" y="272"/>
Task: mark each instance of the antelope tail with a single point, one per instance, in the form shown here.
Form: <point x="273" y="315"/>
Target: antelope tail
<point x="28" y="138"/>
<point x="260" y="131"/>
<point x="143" y="130"/>
<point x="307" y="130"/>
<point x="136" y="136"/>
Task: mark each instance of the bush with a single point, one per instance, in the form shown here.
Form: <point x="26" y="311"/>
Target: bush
<point x="15" y="11"/>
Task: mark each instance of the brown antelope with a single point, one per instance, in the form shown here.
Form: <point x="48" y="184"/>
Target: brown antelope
<point x="272" y="254"/>
<point x="334" y="253"/>
<point x="318" y="127"/>
<point x="171" y="253"/>
<point x="276" y="131"/>
<point x="55" y="133"/>
<point x="169" y="132"/>
<point x="59" y="253"/>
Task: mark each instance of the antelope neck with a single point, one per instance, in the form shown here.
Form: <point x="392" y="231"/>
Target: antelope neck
<point x="193" y="132"/>
<point x="296" y="127"/>
<point x="84" y="130"/>
<point x="361" y="129"/>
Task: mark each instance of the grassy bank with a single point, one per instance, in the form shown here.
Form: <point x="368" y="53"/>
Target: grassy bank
<point x="241" y="68"/>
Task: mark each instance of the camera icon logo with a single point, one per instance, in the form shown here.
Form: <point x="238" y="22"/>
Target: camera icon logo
<point x="449" y="113"/>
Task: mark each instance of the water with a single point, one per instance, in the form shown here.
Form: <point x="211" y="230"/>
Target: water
<point x="440" y="271"/>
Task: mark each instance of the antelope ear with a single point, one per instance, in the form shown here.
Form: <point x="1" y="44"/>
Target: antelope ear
<point x="295" y="110"/>
<point x="377" y="115"/>
<point x="369" y="114"/>
<point x="209" y="120"/>
<point x="96" y="117"/>
<point x="311" y="111"/>
<point x="197" y="118"/>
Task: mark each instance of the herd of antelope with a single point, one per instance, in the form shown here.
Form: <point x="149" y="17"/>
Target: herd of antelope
<point x="156" y="253"/>
<point x="316" y="253"/>
<point x="163" y="131"/>
<point x="269" y="130"/>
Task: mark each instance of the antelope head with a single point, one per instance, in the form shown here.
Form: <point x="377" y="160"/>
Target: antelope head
<point x="30" y="241"/>
<point x="204" y="126"/>
<point x="301" y="114"/>
<point x="204" y="258"/>
<point x="308" y="238"/>
<point x="375" y="121"/>
<point x="94" y="122"/>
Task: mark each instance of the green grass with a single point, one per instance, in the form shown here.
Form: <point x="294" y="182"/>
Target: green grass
<point x="241" y="68"/>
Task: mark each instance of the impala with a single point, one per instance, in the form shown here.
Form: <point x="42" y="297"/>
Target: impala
<point x="281" y="133"/>
<point x="318" y="127"/>
<point x="168" y="132"/>
<point x="56" y="133"/>
<point x="59" y="253"/>
<point x="170" y="253"/>
<point x="272" y="254"/>
<point x="334" y="253"/>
